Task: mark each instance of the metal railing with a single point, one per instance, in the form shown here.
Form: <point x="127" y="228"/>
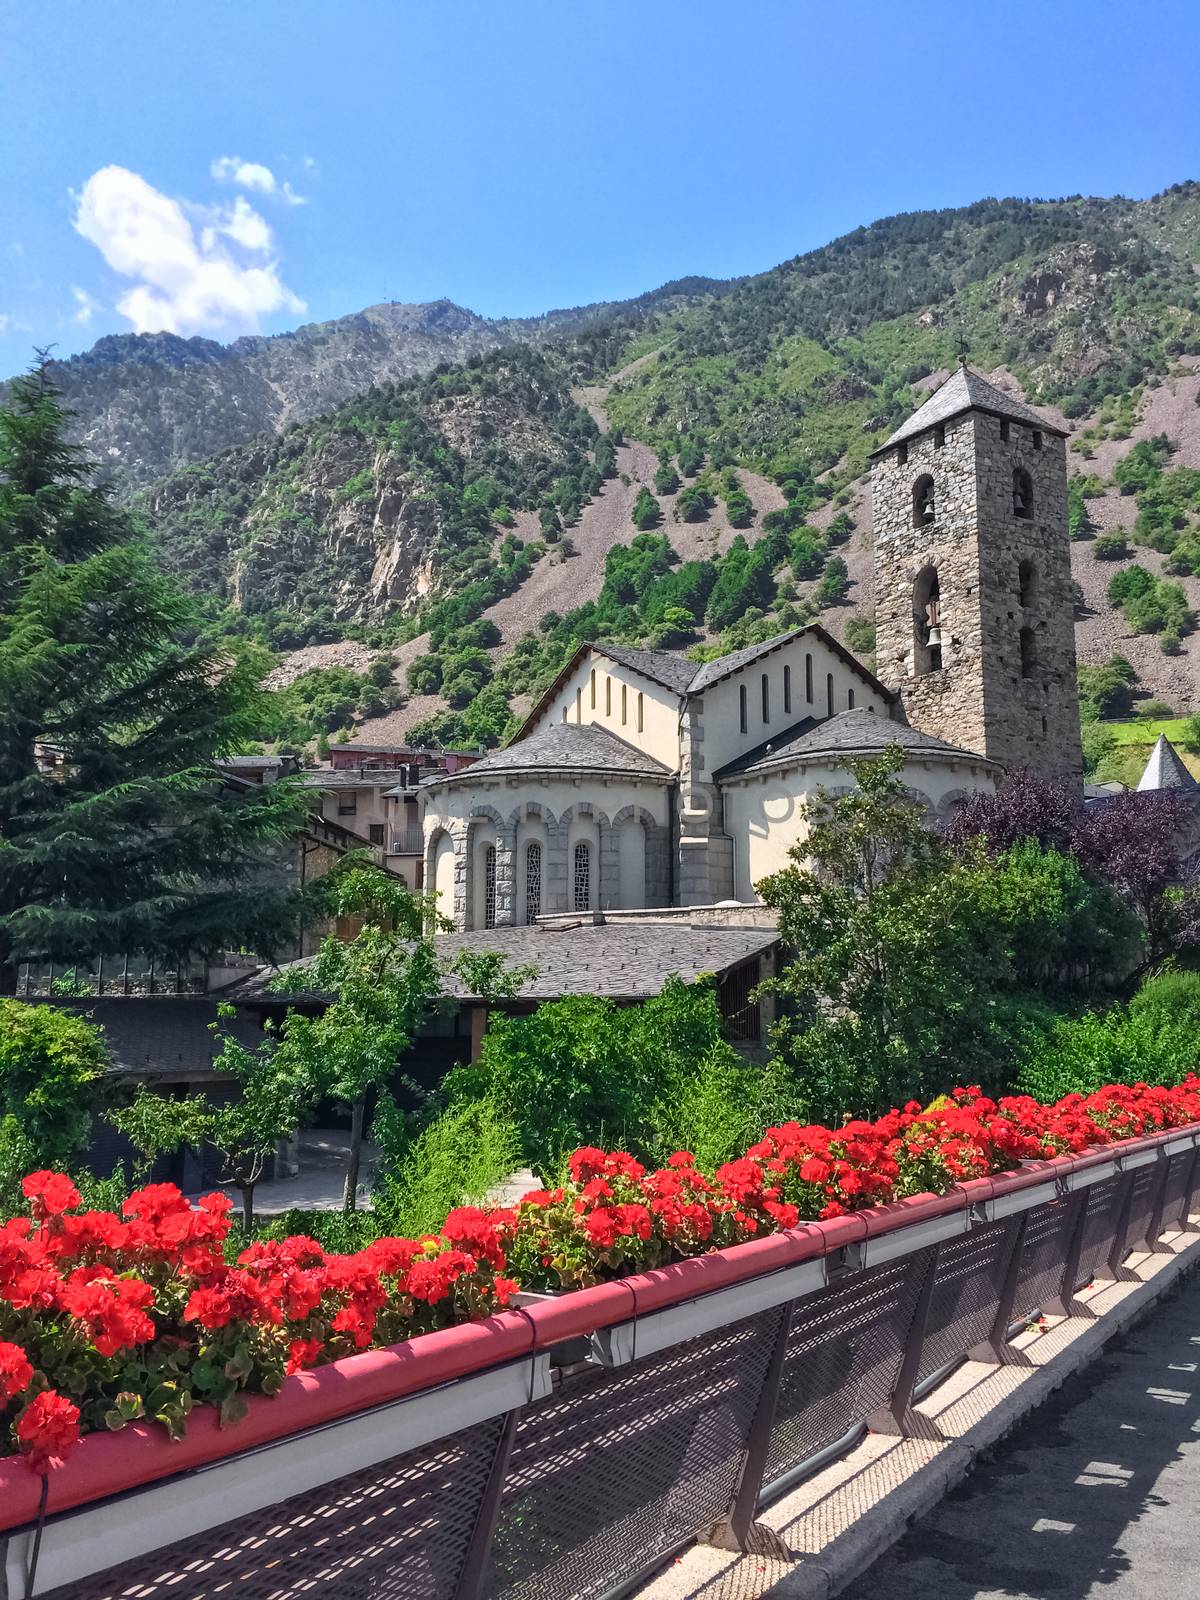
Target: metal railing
<point x="564" y="1450"/>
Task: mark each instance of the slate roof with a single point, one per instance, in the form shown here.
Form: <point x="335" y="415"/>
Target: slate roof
<point x="849" y="733"/>
<point x="965" y="390"/>
<point x="160" y="1036"/>
<point x="349" y="778"/>
<point x="1165" y="769"/>
<point x="710" y="671"/>
<point x="616" y="960"/>
<point x="673" y="671"/>
<point x="565" y="747"/>
<point x="252" y="763"/>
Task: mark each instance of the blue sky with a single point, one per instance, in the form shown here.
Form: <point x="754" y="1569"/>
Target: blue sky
<point x="220" y="167"/>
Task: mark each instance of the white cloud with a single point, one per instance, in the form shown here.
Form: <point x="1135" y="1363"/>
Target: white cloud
<point x="4" y="321"/>
<point x="184" y="281"/>
<point x="254" y="176"/>
<point x="85" y="306"/>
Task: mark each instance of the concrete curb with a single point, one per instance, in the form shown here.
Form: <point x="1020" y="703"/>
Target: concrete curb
<point x="868" y="1499"/>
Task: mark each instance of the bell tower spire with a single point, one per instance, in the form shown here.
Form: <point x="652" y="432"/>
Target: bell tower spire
<point x="973" y="596"/>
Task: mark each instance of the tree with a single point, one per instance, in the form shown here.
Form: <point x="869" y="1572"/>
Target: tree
<point x="117" y="832"/>
<point x="645" y="513"/>
<point x="50" y="1060"/>
<point x="666" y="479"/>
<point x="834" y="584"/>
<point x="1106" y="691"/>
<point x="383" y="982"/>
<point x="246" y="1132"/>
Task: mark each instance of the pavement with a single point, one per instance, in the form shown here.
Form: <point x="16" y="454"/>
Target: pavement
<point x="1094" y="1495"/>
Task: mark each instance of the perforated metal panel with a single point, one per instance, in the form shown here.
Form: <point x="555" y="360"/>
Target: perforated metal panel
<point x="1141" y="1208"/>
<point x="1179" y="1171"/>
<point x="395" y="1531"/>
<point x="1044" y="1254"/>
<point x="843" y="1358"/>
<point x="966" y="1295"/>
<point x="1104" y="1200"/>
<point x="622" y="1467"/>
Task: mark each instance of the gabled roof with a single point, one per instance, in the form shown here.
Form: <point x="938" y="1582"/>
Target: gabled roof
<point x="965" y="390"/>
<point x="1165" y="769"/>
<point x="849" y="733"/>
<point x="565" y="747"/>
<point x="666" y="667"/>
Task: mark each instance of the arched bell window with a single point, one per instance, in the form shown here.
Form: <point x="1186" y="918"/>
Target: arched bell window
<point x="1022" y="493"/>
<point x="923" y="501"/>
<point x="927" y="623"/>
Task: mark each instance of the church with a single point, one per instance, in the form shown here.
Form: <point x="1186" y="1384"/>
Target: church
<point x="641" y="779"/>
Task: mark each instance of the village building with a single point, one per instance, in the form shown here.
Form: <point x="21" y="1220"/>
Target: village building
<point x="641" y="779"/>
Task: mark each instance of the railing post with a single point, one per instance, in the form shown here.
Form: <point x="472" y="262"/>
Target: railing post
<point x="475" y="1562"/>
<point x="1064" y="1303"/>
<point x="1186" y="1225"/>
<point x="899" y="1417"/>
<point x="1149" y="1240"/>
<point x="995" y="1347"/>
<point x="739" y="1530"/>
<point x="1114" y="1267"/>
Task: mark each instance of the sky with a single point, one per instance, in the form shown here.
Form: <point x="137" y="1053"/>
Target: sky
<point x="220" y="168"/>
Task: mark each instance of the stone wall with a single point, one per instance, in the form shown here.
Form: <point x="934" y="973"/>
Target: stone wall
<point x="986" y="697"/>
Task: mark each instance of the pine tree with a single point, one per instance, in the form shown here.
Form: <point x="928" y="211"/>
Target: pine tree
<point x="116" y="833"/>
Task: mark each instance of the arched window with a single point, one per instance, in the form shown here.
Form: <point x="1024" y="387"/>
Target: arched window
<point x="902" y="455"/>
<point x="850" y="700"/>
<point x="787" y="690"/>
<point x="1022" y="493"/>
<point x="808" y="679"/>
<point x="593" y="681"/>
<point x="579" y="704"/>
<point x="1004" y="430"/>
<point x="1027" y="585"/>
<point x="583" y="876"/>
<point x="565" y="710"/>
<point x="533" y="882"/>
<point x="939" y="436"/>
<point x="829" y="694"/>
<point x="743" y="717"/>
<point x="927" y="623"/>
<point x="608" y="697"/>
<point x="923" y="508"/>
<point x="641" y="712"/>
<point x="489" y="886"/>
<point x="766" y="698"/>
<point x="624" y="704"/>
<point x="1028" y="652"/>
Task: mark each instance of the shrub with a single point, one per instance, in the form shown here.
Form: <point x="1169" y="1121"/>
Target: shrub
<point x="1111" y="546"/>
<point x="645" y="513"/>
<point x="454" y="1161"/>
<point x="834" y="584"/>
<point x="50" y="1059"/>
<point x="693" y="504"/>
<point x="860" y="635"/>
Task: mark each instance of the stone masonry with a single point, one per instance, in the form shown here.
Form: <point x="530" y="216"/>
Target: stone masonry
<point x="1006" y="686"/>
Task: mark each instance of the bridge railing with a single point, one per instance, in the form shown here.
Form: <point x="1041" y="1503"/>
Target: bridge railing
<point x="562" y="1450"/>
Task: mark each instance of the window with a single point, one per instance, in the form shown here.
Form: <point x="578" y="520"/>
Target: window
<point x="1022" y="493"/>
<point x="565" y="710"/>
<point x="624" y="704"/>
<point x="766" y="698"/>
<point x="489" y="886"/>
<point x="593" y="685"/>
<point x="923" y="509"/>
<point x="579" y="705"/>
<point x="641" y="712"/>
<point x="583" y="876"/>
<point x="608" y="697"/>
<point x="743" y="719"/>
<point x="1003" y="430"/>
<point x="347" y="804"/>
<point x="375" y="833"/>
<point x="1037" y="438"/>
<point x="939" y="436"/>
<point x="829" y="694"/>
<point x="902" y="455"/>
<point x="808" y="681"/>
<point x="787" y="691"/>
<point x="850" y="699"/>
<point x="1027" y="584"/>
<point x="927" y="623"/>
<point x="533" y="882"/>
<point x="1028" y="653"/>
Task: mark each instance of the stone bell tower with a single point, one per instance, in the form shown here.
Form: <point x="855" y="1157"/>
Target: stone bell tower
<point x="974" y="605"/>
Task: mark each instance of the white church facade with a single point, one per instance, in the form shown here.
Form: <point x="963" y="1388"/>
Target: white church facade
<point x="641" y="779"/>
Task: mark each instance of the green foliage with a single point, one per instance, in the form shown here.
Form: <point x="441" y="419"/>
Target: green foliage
<point x="694" y="504"/>
<point x="51" y="1058"/>
<point x="645" y="513"/>
<point x="1111" y="546"/>
<point x="1106" y="691"/>
<point x="745" y="579"/>
<point x="666" y="479"/>
<point x="835" y="583"/>
<point x="860" y="635"/>
<point x="454" y="1161"/>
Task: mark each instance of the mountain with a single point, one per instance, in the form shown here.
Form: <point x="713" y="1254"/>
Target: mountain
<point x="477" y="521"/>
<point x="146" y="404"/>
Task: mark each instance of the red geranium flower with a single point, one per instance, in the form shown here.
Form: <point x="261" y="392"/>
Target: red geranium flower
<point x="47" y="1428"/>
<point x="15" y="1370"/>
<point x="49" y="1193"/>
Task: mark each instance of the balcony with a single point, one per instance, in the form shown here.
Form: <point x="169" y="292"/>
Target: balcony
<point x="406" y="842"/>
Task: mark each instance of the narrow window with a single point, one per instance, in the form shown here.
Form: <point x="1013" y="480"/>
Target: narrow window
<point x="829" y="694"/>
<point x="1022" y="493"/>
<point x="939" y="437"/>
<point x="579" y="704"/>
<point x="766" y="698"/>
<point x="376" y="832"/>
<point x="743" y="719"/>
<point x="902" y="455"/>
<point x="565" y="710"/>
<point x="1045" y="726"/>
<point x="787" y="691"/>
<point x="624" y="704"/>
<point x="850" y="699"/>
<point x="608" y="697"/>
<point x="489" y="886"/>
<point x="641" y="718"/>
<point x="808" y="679"/>
<point x="1037" y="438"/>
<point x="1028" y="653"/>
<point x="533" y="882"/>
<point x="1003" y="430"/>
<point x="583" y="877"/>
<point x="1027" y="584"/>
<point x="927" y="623"/>
<point x="593" y="688"/>
<point x="923" y="507"/>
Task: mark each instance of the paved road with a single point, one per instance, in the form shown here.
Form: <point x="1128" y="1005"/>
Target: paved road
<point x="1095" y="1496"/>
